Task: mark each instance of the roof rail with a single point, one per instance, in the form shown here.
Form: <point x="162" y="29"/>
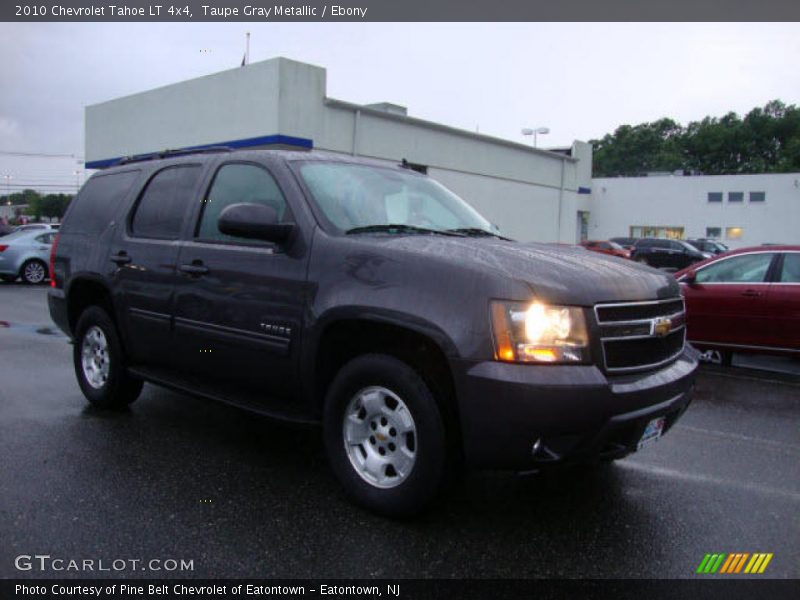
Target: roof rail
<point x="170" y="153"/>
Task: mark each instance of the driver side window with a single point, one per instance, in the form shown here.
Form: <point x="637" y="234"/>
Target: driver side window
<point x="747" y="268"/>
<point x="237" y="183"/>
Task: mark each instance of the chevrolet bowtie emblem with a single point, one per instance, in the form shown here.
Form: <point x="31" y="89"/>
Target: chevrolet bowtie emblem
<point x="661" y="326"/>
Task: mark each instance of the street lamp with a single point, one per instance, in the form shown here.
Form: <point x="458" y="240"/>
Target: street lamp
<point x="535" y="132"/>
<point x="8" y="189"/>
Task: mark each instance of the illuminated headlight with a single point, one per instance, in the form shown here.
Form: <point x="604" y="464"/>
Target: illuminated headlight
<point x="539" y="333"/>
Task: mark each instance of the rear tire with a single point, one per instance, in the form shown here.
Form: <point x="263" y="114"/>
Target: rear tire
<point x="33" y="272"/>
<point x="99" y="362"/>
<point x="385" y="436"/>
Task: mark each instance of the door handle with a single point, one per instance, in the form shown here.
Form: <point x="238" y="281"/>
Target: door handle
<point x="751" y="293"/>
<point x="194" y="269"/>
<point x="121" y="258"/>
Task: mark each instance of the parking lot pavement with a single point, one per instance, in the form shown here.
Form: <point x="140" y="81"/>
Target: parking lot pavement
<point x="179" y="477"/>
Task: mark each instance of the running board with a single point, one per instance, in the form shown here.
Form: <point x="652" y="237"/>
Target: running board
<point x="249" y="402"/>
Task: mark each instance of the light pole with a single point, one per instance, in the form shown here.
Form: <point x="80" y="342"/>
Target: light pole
<point x="535" y="132"/>
<point x="8" y="189"/>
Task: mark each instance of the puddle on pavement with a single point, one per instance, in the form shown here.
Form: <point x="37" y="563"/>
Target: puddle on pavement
<point x="31" y="328"/>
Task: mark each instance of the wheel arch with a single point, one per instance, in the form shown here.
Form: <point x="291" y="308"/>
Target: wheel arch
<point x="85" y="291"/>
<point x="345" y="334"/>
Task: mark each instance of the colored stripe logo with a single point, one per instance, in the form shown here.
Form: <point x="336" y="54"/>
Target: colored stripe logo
<point x="737" y="562"/>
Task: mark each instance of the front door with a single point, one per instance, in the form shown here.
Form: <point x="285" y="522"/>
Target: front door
<point x="727" y="301"/>
<point x="239" y="303"/>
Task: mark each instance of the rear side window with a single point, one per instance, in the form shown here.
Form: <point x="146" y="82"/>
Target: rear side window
<point x="161" y="207"/>
<point x="93" y="209"/>
<point x="235" y="184"/>
<point x="790" y="273"/>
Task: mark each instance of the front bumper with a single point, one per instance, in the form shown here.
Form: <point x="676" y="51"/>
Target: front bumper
<point x="576" y="413"/>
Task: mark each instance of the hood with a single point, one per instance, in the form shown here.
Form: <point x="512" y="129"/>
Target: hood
<point x="554" y="273"/>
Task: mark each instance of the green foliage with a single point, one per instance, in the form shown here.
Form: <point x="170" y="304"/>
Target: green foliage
<point x="51" y="205"/>
<point x="766" y="140"/>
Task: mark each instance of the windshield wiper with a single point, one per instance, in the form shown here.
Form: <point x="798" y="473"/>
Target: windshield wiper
<point x="399" y="228"/>
<point x="476" y="232"/>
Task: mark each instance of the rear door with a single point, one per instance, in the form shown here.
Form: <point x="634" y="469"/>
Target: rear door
<point x="145" y="256"/>
<point x="783" y="304"/>
<point x="727" y="302"/>
<point x="239" y="303"/>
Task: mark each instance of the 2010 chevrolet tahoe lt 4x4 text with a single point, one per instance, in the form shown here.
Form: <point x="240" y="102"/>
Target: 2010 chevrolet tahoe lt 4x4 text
<point x="314" y="287"/>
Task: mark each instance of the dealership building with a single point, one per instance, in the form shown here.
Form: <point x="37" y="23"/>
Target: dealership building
<point x="740" y="210"/>
<point x="531" y="194"/>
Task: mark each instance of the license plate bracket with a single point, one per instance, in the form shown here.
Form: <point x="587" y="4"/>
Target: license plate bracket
<point x="652" y="433"/>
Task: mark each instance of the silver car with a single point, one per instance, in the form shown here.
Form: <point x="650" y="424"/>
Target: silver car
<point x="26" y="254"/>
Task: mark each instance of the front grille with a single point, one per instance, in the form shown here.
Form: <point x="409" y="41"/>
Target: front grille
<point x="641" y="335"/>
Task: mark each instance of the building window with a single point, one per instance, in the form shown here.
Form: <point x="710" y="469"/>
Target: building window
<point x="758" y="196"/>
<point x="733" y="233"/>
<point x="715" y="196"/>
<point x="714" y="232"/>
<point x="735" y="196"/>
<point x="656" y="231"/>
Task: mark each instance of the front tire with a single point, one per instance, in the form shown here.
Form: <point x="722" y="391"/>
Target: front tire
<point x="100" y="362"/>
<point x="385" y="436"/>
<point x="33" y="272"/>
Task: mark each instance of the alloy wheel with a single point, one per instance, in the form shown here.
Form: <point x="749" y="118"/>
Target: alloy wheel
<point x="380" y="437"/>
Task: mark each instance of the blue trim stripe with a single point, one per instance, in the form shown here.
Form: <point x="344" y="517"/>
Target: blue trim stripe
<point x="266" y="140"/>
<point x="584" y="190"/>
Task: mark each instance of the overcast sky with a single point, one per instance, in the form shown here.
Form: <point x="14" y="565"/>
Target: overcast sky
<point x="580" y="80"/>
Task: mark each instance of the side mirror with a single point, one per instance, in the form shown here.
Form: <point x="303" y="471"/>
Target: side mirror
<point x="254" y="221"/>
<point x="690" y="277"/>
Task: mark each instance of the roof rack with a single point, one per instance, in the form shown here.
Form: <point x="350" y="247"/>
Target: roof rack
<point x="170" y="153"/>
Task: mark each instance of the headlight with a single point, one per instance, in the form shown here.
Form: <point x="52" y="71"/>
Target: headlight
<point x="539" y="333"/>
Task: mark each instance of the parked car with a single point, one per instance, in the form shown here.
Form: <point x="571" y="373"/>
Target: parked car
<point x="746" y="301"/>
<point x="666" y="254"/>
<point x="327" y="289"/>
<point x="5" y="229"/>
<point x="709" y="247"/>
<point x="606" y="247"/>
<point x="625" y="242"/>
<point x="34" y="226"/>
<point x="25" y="254"/>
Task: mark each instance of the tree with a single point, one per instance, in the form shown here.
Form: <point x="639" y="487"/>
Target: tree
<point x="766" y="140"/>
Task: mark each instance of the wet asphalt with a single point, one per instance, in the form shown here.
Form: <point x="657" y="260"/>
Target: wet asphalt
<point x="176" y="477"/>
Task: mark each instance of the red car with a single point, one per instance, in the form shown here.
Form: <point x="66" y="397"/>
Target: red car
<point x="606" y="247"/>
<point x="747" y="300"/>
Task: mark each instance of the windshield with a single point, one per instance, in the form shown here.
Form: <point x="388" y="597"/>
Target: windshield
<point x="359" y="196"/>
<point x="687" y="245"/>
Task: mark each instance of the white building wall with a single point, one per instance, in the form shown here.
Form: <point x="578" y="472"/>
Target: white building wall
<point x="230" y="105"/>
<point x="675" y="201"/>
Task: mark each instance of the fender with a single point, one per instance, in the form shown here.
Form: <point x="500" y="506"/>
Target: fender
<point x="317" y="327"/>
